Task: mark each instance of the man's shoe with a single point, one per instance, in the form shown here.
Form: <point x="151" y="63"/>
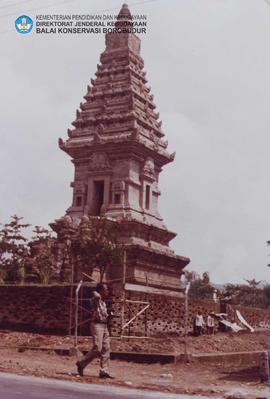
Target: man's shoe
<point x="79" y="369"/>
<point x="103" y="374"/>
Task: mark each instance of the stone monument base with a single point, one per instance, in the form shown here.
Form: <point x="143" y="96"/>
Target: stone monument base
<point x="147" y="266"/>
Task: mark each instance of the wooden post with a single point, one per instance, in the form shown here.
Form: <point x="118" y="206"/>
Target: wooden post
<point x="145" y="313"/>
<point x="129" y="313"/>
<point x="123" y="290"/>
<point x="77" y="313"/>
<point x="71" y="287"/>
<point x="70" y="309"/>
<point x="81" y="312"/>
<point x="186" y="324"/>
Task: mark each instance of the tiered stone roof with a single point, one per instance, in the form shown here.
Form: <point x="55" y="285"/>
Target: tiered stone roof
<point x="119" y="106"/>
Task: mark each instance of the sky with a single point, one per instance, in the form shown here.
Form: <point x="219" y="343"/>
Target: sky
<point x="208" y="65"/>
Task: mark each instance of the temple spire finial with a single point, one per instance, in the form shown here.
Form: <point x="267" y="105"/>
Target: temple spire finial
<point x="124" y="12"/>
<point x="124" y="17"/>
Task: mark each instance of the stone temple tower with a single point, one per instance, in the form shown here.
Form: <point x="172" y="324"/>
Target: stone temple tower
<point x="118" y="152"/>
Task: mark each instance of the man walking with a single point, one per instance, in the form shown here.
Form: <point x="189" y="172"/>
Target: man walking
<point x="100" y="333"/>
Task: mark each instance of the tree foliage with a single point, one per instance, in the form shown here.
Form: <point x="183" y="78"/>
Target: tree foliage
<point x="200" y="286"/>
<point x="249" y="294"/>
<point x="14" y="250"/>
<point x="21" y="258"/>
<point x="94" y="244"/>
<point x="43" y="258"/>
<point x="90" y="244"/>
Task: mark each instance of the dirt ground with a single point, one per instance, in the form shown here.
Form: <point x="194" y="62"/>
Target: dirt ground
<point x="209" y="380"/>
<point x="218" y="343"/>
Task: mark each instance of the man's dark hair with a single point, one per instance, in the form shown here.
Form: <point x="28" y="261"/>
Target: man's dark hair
<point x="100" y="287"/>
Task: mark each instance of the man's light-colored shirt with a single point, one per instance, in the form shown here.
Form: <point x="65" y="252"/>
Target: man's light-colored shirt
<point x="199" y="320"/>
<point x="99" y="310"/>
<point x="210" y="321"/>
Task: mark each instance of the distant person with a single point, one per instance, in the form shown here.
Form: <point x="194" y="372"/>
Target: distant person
<point x="199" y="322"/>
<point x="215" y="298"/>
<point x="210" y="324"/>
<point x="100" y="333"/>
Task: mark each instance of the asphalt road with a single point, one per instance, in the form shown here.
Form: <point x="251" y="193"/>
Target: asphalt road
<point x="21" y="387"/>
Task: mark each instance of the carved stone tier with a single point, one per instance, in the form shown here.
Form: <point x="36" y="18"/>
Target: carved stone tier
<point x="146" y="235"/>
<point x="146" y="266"/>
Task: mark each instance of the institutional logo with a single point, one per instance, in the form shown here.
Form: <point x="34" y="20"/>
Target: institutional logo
<point x="24" y="24"/>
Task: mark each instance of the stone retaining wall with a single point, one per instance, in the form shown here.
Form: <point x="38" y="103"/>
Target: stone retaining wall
<point x="42" y="309"/>
<point x="46" y="309"/>
<point x="165" y="315"/>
